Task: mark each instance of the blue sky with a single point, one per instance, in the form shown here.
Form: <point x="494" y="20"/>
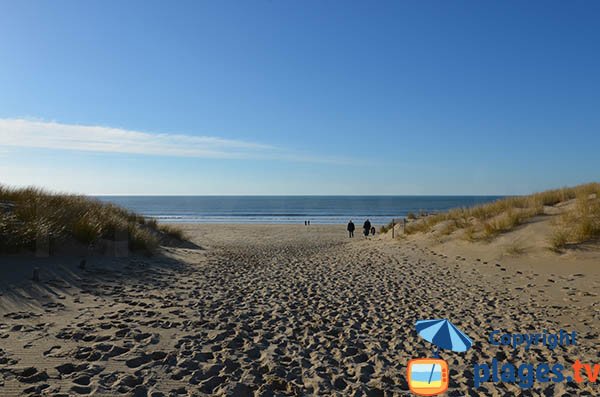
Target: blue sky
<point x="278" y="97"/>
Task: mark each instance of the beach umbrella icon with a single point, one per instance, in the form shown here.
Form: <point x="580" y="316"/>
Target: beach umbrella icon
<point x="443" y="334"/>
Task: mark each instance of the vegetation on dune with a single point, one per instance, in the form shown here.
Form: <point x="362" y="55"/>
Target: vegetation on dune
<point x="386" y="228"/>
<point x="580" y="224"/>
<point x="173" y="232"/>
<point x="28" y="215"/>
<point x="515" y="248"/>
<point x="482" y="221"/>
<point x="576" y="224"/>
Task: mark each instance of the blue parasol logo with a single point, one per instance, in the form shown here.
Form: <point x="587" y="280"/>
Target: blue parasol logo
<point x="444" y="335"/>
<point x="430" y="376"/>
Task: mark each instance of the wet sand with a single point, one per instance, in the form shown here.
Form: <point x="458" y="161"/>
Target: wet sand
<point x="273" y="310"/>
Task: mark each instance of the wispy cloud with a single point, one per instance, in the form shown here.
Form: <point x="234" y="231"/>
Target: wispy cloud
<point x="53" y="135"/>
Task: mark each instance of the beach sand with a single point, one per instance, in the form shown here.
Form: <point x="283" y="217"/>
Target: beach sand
<point x="260" y="310"/>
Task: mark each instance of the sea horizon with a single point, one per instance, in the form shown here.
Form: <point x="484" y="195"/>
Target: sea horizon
<point x="289" y="209"/>
<point x="302" y="195"/>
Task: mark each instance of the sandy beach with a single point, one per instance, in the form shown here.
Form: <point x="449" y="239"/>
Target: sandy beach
<point x="262" y="310"/>
<point x="185" y="189"/>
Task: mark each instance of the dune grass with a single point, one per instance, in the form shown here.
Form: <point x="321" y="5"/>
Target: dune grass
<point x="172" y="232"/>
<point x="28" y="214"/>
<point x="515" y="248"/>
<point x="580" y="224"/>
<point x="486" y="221"/>
<point x="385" y="228"/>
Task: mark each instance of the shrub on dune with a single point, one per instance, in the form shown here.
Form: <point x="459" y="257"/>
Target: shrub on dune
<point x="578" y="224"/>
<point x="172" y="231"/>
<point x="581" y="224"/>
<point x="26" y="214"/>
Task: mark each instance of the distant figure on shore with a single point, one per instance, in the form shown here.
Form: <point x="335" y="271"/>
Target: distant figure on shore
<point x="305" y="223"/>
<point x="350" y="229"/>
<point x="367" y="228"/>
<point x="308" y="223"/>
<point x="373" y="230"/>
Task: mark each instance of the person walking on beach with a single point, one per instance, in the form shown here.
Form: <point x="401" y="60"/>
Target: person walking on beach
<point x="367" y="228"/>
<point x="373" y="230"/>
<point x="350" y="229"/>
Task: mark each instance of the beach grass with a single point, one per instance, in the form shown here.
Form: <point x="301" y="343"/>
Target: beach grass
<point x="580" y="224"/>
<point x="28" y="214"/>
<point x="515" y="248"/>
<point x="577" y="223"/>
<point x="173" y="232"/>
<point x="386" y="228"/>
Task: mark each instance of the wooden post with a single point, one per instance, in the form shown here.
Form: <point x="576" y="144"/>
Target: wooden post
<point x="393" y="225"/>
<point x="36" y="274"/>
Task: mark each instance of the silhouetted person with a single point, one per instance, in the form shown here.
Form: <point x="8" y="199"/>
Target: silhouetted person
<point x="367" y="228"/>
<point x="308" y="223"/>
<point x="373" y="230"/>
<point x="305" y="223"/>
<point x="350" y="228"/>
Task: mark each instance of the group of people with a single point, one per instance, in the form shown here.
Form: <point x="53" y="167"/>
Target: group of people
<point x="367" y="228"/>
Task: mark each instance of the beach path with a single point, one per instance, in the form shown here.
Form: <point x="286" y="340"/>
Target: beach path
<point x="270" y="310"/>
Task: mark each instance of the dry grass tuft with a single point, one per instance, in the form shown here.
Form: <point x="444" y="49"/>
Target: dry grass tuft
<point x="515" y="249"/>
<point x="580" y="224"/>
<point x="559" y="239"/>
<point x="486" y="221"/>
<point x="385" y="228"/>
<point x="469" y="234"/>
<point x="173" y="232"/>
<point x="30" y="213"/>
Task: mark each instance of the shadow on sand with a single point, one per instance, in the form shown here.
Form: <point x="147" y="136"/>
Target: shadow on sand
<point x="32" y="281"/>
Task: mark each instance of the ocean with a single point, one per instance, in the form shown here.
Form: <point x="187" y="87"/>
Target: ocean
<point x="288" y="209"/>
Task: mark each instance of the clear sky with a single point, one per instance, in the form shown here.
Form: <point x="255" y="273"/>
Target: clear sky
<point x="299" y="97"/>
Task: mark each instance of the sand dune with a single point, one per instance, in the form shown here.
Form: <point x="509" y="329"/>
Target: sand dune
<point x="273" y="310"/>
